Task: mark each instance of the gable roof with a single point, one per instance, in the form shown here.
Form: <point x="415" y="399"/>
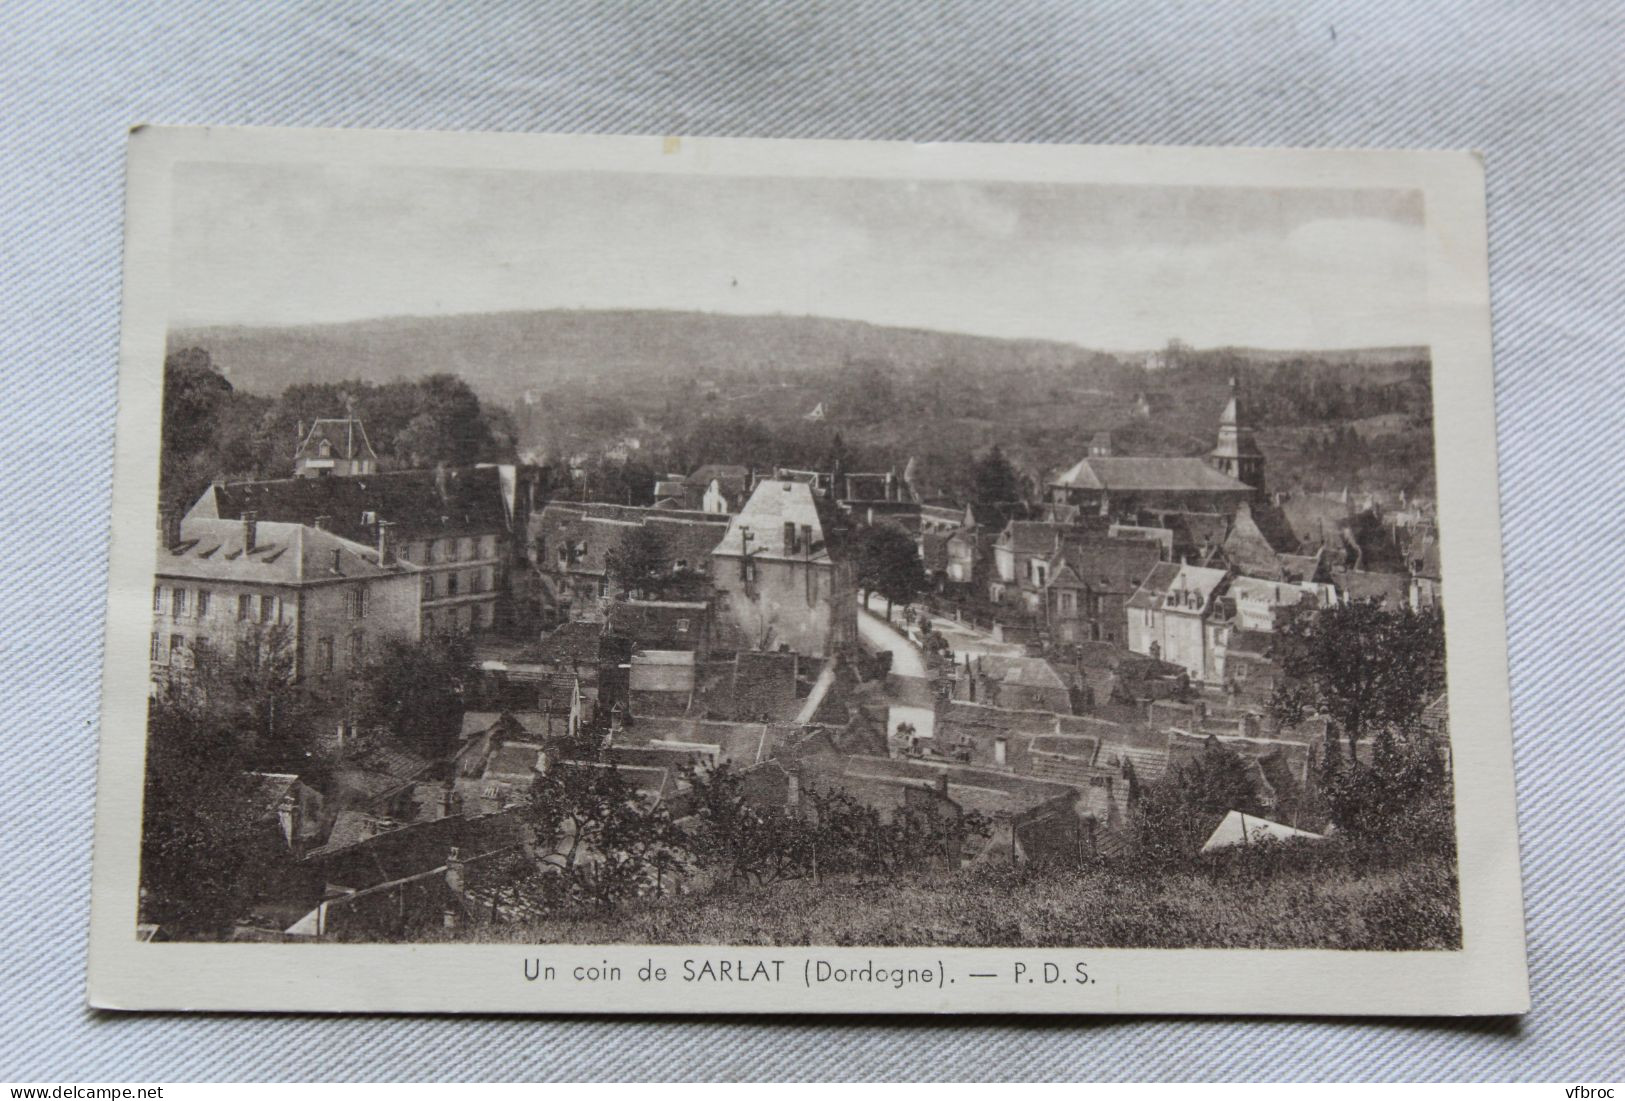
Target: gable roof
<point x="1131" y="474"/>
<point x="1200" y="582"/>
<point x="344" y="435"/>
<point x="774" y="503"/>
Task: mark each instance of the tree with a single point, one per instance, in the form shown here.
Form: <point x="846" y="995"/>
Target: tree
<point x="994" y="479"/>
<point x="605" y="840"/>
<point x="198" y="860"/>
<point x="888" y="562"/>
<point x="414" y="690"/>
<point x="641" y="562"/>
<point x="1361" y="664"/>
<point x="1174" y="815"/>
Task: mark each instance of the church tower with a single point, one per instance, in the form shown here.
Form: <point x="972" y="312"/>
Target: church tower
<point x="1236" y="452"/>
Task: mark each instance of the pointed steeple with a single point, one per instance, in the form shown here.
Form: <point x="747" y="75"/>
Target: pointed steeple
<point x="1236" y="453"/>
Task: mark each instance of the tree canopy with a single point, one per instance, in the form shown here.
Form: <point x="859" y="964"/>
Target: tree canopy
<point x="641" y="562"/>
<point x="1360" y="663"/>
<point x="888" y="563"/>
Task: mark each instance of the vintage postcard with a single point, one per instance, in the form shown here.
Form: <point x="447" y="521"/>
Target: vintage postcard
<point x="686" y="575"/>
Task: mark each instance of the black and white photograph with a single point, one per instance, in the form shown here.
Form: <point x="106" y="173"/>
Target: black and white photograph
<point x="610" y="555"/>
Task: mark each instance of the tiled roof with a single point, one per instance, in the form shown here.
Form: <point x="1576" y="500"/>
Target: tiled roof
<point x="1110" y="565"/>
<point x="573" y="642"/>
<point x="1392" y="589"/>
<point x="660" y="624"/>
<point x="420" y="503"/>
<point x="1149" y="474"/>
<point x="1031" y="536"/>
<point x="733" y="478"/>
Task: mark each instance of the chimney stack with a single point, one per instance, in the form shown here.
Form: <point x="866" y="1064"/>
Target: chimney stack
<point x="250" y="531"/>
<point x="386" y="544"/>
<point x="322" y="522"/>
<point x="169" y="525"/>
<point x="456" y="873"/>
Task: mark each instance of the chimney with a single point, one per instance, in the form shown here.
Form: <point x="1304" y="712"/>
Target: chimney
<point x="445" y="801"/>
<point x="322" y="522"/>
<point x="942" y="784"/>
<point x="386" y="544"/>
<point x="250" y="531"/>
<point x="169" y="525"/>
<point x="338" y="560"/>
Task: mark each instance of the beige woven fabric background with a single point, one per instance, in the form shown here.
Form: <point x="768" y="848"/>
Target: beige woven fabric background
<point x="1536" y="86"/>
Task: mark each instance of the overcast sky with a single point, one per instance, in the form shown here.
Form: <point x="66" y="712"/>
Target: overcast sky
<point x="1106" y="267"/>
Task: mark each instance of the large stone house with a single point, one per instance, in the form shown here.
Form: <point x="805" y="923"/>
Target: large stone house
<point x="457" y="524"/>
<point x="780" y="580"/>
<point x="1177" y="615"/>
<point x="325" y="601"/>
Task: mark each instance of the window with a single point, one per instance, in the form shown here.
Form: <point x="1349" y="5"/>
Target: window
<point x="324" y="655"/>
<point x="682" y="626"/>
<point x="154" y="654"/>
<point x="202" y="603"/>
<point x="200" y="646"/>
<point x="267" y="609"/>
<point x="245" y="606"/>
<point x="428" y="552"/>
<point x="358" y="603"/>
<point x="428" y="586"/>
<point x="177" y="603"/>
<point x="451" y="584"/>
<point x="487" y="580"/>
<point x="177" y="647"/>
<point x="358" y="651"/>
<point x="157" y="599"/>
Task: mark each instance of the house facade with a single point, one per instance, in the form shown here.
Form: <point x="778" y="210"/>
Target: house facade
<point x="779" y="580"/>
<point x="457" y="525"/>
<point x="1176" y="616"/>
<point x="238" y="588"/>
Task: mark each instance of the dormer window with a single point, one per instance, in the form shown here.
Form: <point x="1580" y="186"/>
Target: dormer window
<point x="325" y="450"/>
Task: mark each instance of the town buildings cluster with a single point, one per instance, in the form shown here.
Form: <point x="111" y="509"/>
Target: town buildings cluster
<point x="1066" y="649"/>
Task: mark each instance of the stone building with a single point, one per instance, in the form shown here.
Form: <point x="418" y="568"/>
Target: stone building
<point x="780" y="582"/>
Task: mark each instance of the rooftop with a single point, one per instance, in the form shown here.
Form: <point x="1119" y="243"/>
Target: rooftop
<point x="1168" y="474"/>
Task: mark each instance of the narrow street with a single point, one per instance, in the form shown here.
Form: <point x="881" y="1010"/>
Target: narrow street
<point x="876" y="635"/>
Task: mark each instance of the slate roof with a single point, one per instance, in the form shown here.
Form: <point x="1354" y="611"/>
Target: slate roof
<point x="688" y="536"/>
<point x="1148" y="475"/>
<point x="774" y="503"/>
<point x="419" y="503"/>
<point x="661" y="624"/>
<point x="1168" y="577"/>
<point x="1024" y="672"/>
<point x="1391" y="589"/>
<point x="283" y="554"/>
<point x="734" y="478"/>
<point x="1030" y="536"/>
<point x="571" y="643"/>
<point x="763" y="686"/>
<point x="1110" y="565"/>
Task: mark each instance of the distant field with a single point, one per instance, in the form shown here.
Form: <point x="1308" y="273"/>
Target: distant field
<point x="1410" y="906"/>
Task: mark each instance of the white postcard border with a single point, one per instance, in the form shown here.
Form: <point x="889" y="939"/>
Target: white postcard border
<point x="1487" y="976"/>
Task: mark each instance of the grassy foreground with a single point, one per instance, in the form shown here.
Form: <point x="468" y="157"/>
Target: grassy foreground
<point x="1241" y="903"/>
